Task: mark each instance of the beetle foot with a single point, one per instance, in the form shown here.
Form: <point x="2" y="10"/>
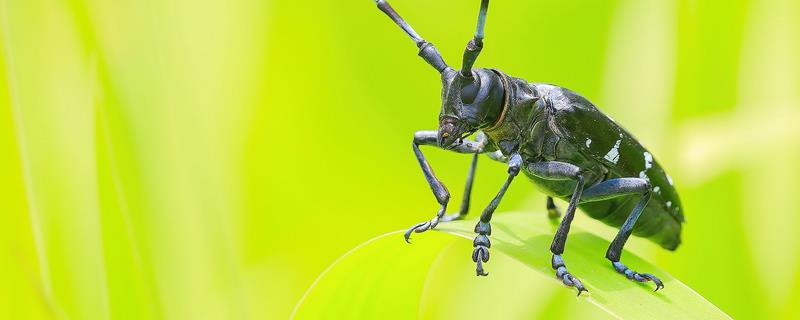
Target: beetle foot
<point x="564" y="275"/>
<point x="482" y="245"/>
<point x="421" y="227"/>
<point x="427" y="225"/>
<point x="635" y="276"/>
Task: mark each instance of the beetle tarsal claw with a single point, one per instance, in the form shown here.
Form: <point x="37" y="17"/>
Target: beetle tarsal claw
<point x="425" y="226"/>
<point x="581" y="289"/>
<point x="564" y="275"/>
<point x="638" y="277"/>
<point x="419" y="227"/>
<point x="479" y="256"/>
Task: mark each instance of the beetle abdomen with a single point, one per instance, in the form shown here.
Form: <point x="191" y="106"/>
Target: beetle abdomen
<point x="654" y="223"/>
<point x="590" y="136"/>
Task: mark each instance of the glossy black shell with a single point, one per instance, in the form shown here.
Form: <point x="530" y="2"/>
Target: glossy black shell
<point x="571" y="129"/>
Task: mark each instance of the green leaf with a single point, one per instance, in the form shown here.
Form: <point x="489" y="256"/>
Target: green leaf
<point x="435" y="278"/>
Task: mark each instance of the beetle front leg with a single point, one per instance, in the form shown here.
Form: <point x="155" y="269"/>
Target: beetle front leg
<point x="554" y="170"/>
<point x="439" y="190"/>
<point x="462" y="212"/>
<point x="483" y="228"/>
<point x="469" y="147"/>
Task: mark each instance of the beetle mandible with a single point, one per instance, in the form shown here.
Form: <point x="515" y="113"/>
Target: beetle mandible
<point x="560" y="141"/>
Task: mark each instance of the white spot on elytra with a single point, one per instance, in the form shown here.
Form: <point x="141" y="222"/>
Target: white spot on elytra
<point x="613" y="154"/>
<point x="588" y="142"/>
<point x="669" y="179"/>
<point x="643" y="175"/>
<point x="669" y="204"/>
<point x="648" y="160"/>
<point x="657" y="189"/>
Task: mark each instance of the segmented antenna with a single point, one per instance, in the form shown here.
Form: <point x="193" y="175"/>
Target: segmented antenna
<point x="475" y="45"/>
<point x="427" y="51"/>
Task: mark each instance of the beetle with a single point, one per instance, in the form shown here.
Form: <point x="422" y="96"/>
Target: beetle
<point x="558" y="139"/>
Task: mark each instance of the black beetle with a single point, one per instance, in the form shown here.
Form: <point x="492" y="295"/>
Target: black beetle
<point x="560" y="141"/>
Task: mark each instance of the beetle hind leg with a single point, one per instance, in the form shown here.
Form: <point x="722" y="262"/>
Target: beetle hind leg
<point x="635" y="276"/>
<point x="615" y="249"/>
<point x="622" y="187"/>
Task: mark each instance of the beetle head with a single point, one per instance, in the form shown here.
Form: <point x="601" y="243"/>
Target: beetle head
<point x="469" y="104"/>
<point x="472" y="99"/>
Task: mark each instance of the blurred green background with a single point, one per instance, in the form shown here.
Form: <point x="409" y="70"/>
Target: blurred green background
<point x="190" y="159"/>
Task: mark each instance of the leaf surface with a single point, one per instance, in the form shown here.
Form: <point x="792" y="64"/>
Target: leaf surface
<point x="435" y="278"/>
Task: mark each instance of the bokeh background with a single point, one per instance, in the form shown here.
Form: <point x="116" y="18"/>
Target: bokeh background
<point x="190" y="159"/>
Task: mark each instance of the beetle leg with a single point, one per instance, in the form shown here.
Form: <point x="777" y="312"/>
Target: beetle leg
<point x="498" y="156"/>
<point x="480" y="140"/>
<point x="439" y="190"/>
<point x="467" y="193"/>
<point x="622" y="187"/>
<point x="481" y="243"/>
<point x="555" y="170"/>
<point x="552" y="210"/>
<point x="635" y="276"/>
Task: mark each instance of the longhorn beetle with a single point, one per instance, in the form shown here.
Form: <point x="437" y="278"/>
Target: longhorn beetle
<point x="560" y="141"/>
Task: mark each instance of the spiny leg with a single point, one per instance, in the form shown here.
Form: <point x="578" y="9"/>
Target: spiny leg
<point x="439" y="190"/>
<point x="552" y="210"/>
<point x="616" y="188"/>
<point x="554" y="170"/>
<point x="481" y="243"/>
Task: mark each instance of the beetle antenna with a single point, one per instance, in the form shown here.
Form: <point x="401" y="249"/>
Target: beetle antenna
<point x="426" y="49"/>
<point x="475" y="45"/>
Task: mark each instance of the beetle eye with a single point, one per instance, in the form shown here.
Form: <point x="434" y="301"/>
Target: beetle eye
<point x="469" y="92"/>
